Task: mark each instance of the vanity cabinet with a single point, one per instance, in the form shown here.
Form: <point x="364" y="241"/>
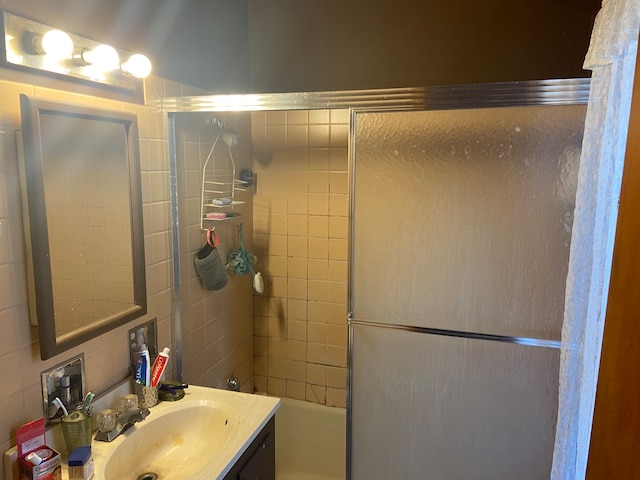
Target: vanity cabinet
<point x="258" y="462"/>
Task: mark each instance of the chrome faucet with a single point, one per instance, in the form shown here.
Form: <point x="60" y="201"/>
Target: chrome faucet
<point x="123" y="421"/>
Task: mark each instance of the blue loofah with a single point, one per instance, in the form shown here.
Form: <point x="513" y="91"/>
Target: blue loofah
<point x="240" y="261"/>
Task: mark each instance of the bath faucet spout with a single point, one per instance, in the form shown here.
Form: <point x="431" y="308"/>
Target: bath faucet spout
<point x="126" y="419"/>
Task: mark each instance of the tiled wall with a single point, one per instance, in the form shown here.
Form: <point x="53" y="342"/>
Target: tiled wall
<point x="300" y="237"/>
<point x="106" y="357"/>
<point x="217" y="328"/>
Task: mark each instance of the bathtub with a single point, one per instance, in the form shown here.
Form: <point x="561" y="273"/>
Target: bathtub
<point x="310" y="441"/>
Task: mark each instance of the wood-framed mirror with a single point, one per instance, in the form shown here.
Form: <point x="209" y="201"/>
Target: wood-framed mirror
<point x="82" y="208"/>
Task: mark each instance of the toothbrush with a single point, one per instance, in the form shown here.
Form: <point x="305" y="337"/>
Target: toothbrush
<point x="86" y="403"/>
<point x="58" y="403"/>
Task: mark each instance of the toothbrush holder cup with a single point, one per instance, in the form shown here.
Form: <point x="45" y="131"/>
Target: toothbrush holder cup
<point x="147" y="396"/>
<point x="76" y="430"/>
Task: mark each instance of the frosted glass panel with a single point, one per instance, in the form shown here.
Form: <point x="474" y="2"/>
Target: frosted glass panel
<point x="462" y="219"/>
<point x="443" y="408"/>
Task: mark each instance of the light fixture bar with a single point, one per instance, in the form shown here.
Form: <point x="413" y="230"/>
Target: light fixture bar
<point x="35" y="46"/>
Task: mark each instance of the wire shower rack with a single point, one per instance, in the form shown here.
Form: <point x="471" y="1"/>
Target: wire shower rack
<point x="219" y="183"/>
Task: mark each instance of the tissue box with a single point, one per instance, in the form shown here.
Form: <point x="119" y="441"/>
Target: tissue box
<point x="30" y="438"/>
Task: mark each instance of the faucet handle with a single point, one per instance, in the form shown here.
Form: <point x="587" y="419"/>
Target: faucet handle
<point x="233" y="383"/>
<point x="107" y="420"/>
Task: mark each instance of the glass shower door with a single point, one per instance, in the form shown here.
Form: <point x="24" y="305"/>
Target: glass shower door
<point x="461" y="227"/>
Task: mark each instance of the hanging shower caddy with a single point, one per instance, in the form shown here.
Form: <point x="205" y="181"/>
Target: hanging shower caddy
<point x="219" y="183"/>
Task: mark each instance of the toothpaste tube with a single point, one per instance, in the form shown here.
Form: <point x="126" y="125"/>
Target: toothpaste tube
<point x="142" y="368"/>
<point x="158" y="367"/>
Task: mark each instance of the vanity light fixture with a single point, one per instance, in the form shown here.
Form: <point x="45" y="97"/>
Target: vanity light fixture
<point x="33" y="46"/>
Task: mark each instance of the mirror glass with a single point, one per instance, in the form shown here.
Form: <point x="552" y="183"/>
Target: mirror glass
<point x="83" y="221"/>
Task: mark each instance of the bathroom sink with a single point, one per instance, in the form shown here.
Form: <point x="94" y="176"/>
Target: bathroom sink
<point x="198" y="437"/>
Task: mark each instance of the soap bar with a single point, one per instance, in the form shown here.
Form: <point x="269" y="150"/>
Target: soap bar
<point x="81" y="464"/>
<point x="215" y="215"/>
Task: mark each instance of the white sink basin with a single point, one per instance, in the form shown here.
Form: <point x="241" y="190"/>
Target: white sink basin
<point x="198" y="437"/>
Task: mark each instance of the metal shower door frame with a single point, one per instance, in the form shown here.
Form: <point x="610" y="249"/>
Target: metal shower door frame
<point x="454" y="97"/>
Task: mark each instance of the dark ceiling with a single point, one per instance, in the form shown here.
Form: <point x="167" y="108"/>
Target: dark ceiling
<point x="204" y="43"/>
<point x="584" y="6"/>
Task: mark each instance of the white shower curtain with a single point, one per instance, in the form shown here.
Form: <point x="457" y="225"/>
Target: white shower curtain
<point x="611" y="58"/>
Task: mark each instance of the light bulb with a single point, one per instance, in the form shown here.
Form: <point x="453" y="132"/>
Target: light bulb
<point x="137" y="65"/>
<point x="103" y="57"/>
<point x="57" y="44"/>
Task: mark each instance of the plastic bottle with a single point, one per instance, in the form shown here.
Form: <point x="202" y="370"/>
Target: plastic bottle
<point x="65" y="391"/>
<point x="158" y="366"/>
